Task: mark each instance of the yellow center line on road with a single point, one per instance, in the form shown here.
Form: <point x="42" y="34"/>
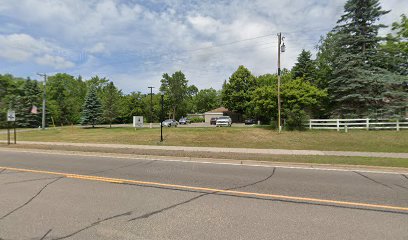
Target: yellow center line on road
<point x="239" y="193"/>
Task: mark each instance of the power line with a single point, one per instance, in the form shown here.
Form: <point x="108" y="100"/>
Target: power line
<point x="162" y="60"/>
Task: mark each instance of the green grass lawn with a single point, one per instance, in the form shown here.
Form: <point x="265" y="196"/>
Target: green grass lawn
<point x="357" y="140"/>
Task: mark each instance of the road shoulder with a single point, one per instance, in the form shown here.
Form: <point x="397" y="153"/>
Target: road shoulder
<point x="204" y="159"/>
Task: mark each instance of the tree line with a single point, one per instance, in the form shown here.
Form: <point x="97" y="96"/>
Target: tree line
<point x="356" y="73"/>
<point x="73" y="100"/>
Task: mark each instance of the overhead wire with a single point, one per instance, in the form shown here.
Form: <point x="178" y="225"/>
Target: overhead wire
<point x="153" y="59"/>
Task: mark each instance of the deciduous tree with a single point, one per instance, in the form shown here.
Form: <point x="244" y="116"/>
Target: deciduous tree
<point x="237" y="91"/>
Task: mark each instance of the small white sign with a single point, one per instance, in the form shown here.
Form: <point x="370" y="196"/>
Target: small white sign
<point x="138" y="121"/>
<point x="11" y="116"/>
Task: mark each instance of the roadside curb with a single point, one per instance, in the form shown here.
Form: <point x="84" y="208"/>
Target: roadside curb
<point x="228" y="150"/>
<point x="220" y="161"/>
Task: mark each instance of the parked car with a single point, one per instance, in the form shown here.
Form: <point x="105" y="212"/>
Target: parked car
<point x="223" y="121"/>
<point x="184" y="121"/>
<point x="169" y="123"/>
<point x="213" y="121"/>
<point x="250" y="121"/>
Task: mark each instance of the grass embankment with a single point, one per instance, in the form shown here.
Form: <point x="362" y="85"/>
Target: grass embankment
<point x="332" y="160"/>
<point x="370" y="141"/>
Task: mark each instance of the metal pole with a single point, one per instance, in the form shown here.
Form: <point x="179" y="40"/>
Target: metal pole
<point x="8" y="133"/>
<point x="279" y="80"/>
<point x="161" y="118"/>
<point x="44" y="100"/>
<point x="15" y="134"/>
<point x="151" y="106"/>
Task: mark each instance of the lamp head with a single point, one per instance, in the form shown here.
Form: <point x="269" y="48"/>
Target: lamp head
<point x="283" y="47"/>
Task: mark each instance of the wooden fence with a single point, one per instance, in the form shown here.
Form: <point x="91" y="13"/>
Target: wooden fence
<point x="365" y="123"/>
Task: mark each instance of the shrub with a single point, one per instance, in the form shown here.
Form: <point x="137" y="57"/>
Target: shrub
<point x="295" y="118"/>
<point x="197" y="120"/>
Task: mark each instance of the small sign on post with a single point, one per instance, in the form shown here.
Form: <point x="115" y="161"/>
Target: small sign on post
<point x="11" y="117"/>
<point x="137" y="121"/>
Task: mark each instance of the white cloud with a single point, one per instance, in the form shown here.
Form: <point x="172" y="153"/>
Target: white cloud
<point x="205" y="25"/>
<point x="97" y="48"/>
<point x="54" y="61"/>
<point x="144" y="39"/>
<point x="20" y="47"/>
<point x="23" y="48"/>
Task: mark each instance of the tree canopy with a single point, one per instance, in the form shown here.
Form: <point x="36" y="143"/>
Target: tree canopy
<point x="236" y="93"/>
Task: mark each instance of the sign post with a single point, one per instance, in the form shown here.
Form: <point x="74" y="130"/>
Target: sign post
<point x="138" y="121"/>
<point x="11" y="117"/>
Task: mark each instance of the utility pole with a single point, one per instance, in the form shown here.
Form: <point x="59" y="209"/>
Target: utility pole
<point x="44" y="99"/>
<point x="280" y="39"/>
<point x="151" y="106"/>
<point x="161" y="116"/>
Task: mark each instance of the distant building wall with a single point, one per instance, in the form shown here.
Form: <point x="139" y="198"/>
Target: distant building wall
<point x="209" y="115"/>
<point x="221" y="111"/>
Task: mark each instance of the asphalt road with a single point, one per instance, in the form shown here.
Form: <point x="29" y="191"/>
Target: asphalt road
<point x="57" y="196"/>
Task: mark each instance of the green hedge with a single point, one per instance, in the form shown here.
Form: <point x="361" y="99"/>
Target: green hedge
<point x="197" y="120"/>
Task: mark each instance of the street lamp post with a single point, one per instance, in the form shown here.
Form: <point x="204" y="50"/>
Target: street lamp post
<point x="280" y="49"/>
<point x="161" y="116"/>
<point x="44" y="100"/>
<point x="151" y="106"/>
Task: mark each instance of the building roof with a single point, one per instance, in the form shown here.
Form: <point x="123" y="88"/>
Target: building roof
<point x="219" y="110"/>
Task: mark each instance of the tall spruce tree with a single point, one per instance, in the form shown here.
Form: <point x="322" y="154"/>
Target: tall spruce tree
<point x="359" y="86"/>
<point x="92" y="109"/>
<point x="395" y="49"/>
<point x="29" y="96"/>
<point x="305" y="67"/>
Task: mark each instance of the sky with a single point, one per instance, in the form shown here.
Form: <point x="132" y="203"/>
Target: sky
<point x="133" y="42"/>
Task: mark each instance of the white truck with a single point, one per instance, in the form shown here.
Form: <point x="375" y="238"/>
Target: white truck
<point x="223" y="121"/>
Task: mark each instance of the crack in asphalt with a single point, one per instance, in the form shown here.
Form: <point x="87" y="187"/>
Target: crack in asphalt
<point x="2" y="170"/>
<point x="30" y="180"/>
<point x="43" y="237"/>
<point x="208" y="193"/>
<point x="94" y="224"/>
<point x="373" y="180"/>
<point x="405" y="176"/>
<point x="147" y="215"/>
<point x="272" y="200"/>
<point x="31" y="199"/>
<point x="251" y="184"/>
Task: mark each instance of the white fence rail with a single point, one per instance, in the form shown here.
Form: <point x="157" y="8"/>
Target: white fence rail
<point x="364" y="123"/>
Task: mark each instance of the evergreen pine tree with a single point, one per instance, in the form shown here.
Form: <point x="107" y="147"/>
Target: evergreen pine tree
<point x="30" y="95"/>
<point x="360" y="87"/>
<point x="305" y="67"/>
<point x="91" y="113"/>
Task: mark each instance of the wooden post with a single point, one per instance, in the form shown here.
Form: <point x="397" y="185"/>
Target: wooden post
<point x="8" y="133"/>
<point x="15" y="134"/>
<point x="310" y="124"/>
<point x="398" y="126"/>
<point x="368" y="124"/>
<point x="338" y="125"/>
